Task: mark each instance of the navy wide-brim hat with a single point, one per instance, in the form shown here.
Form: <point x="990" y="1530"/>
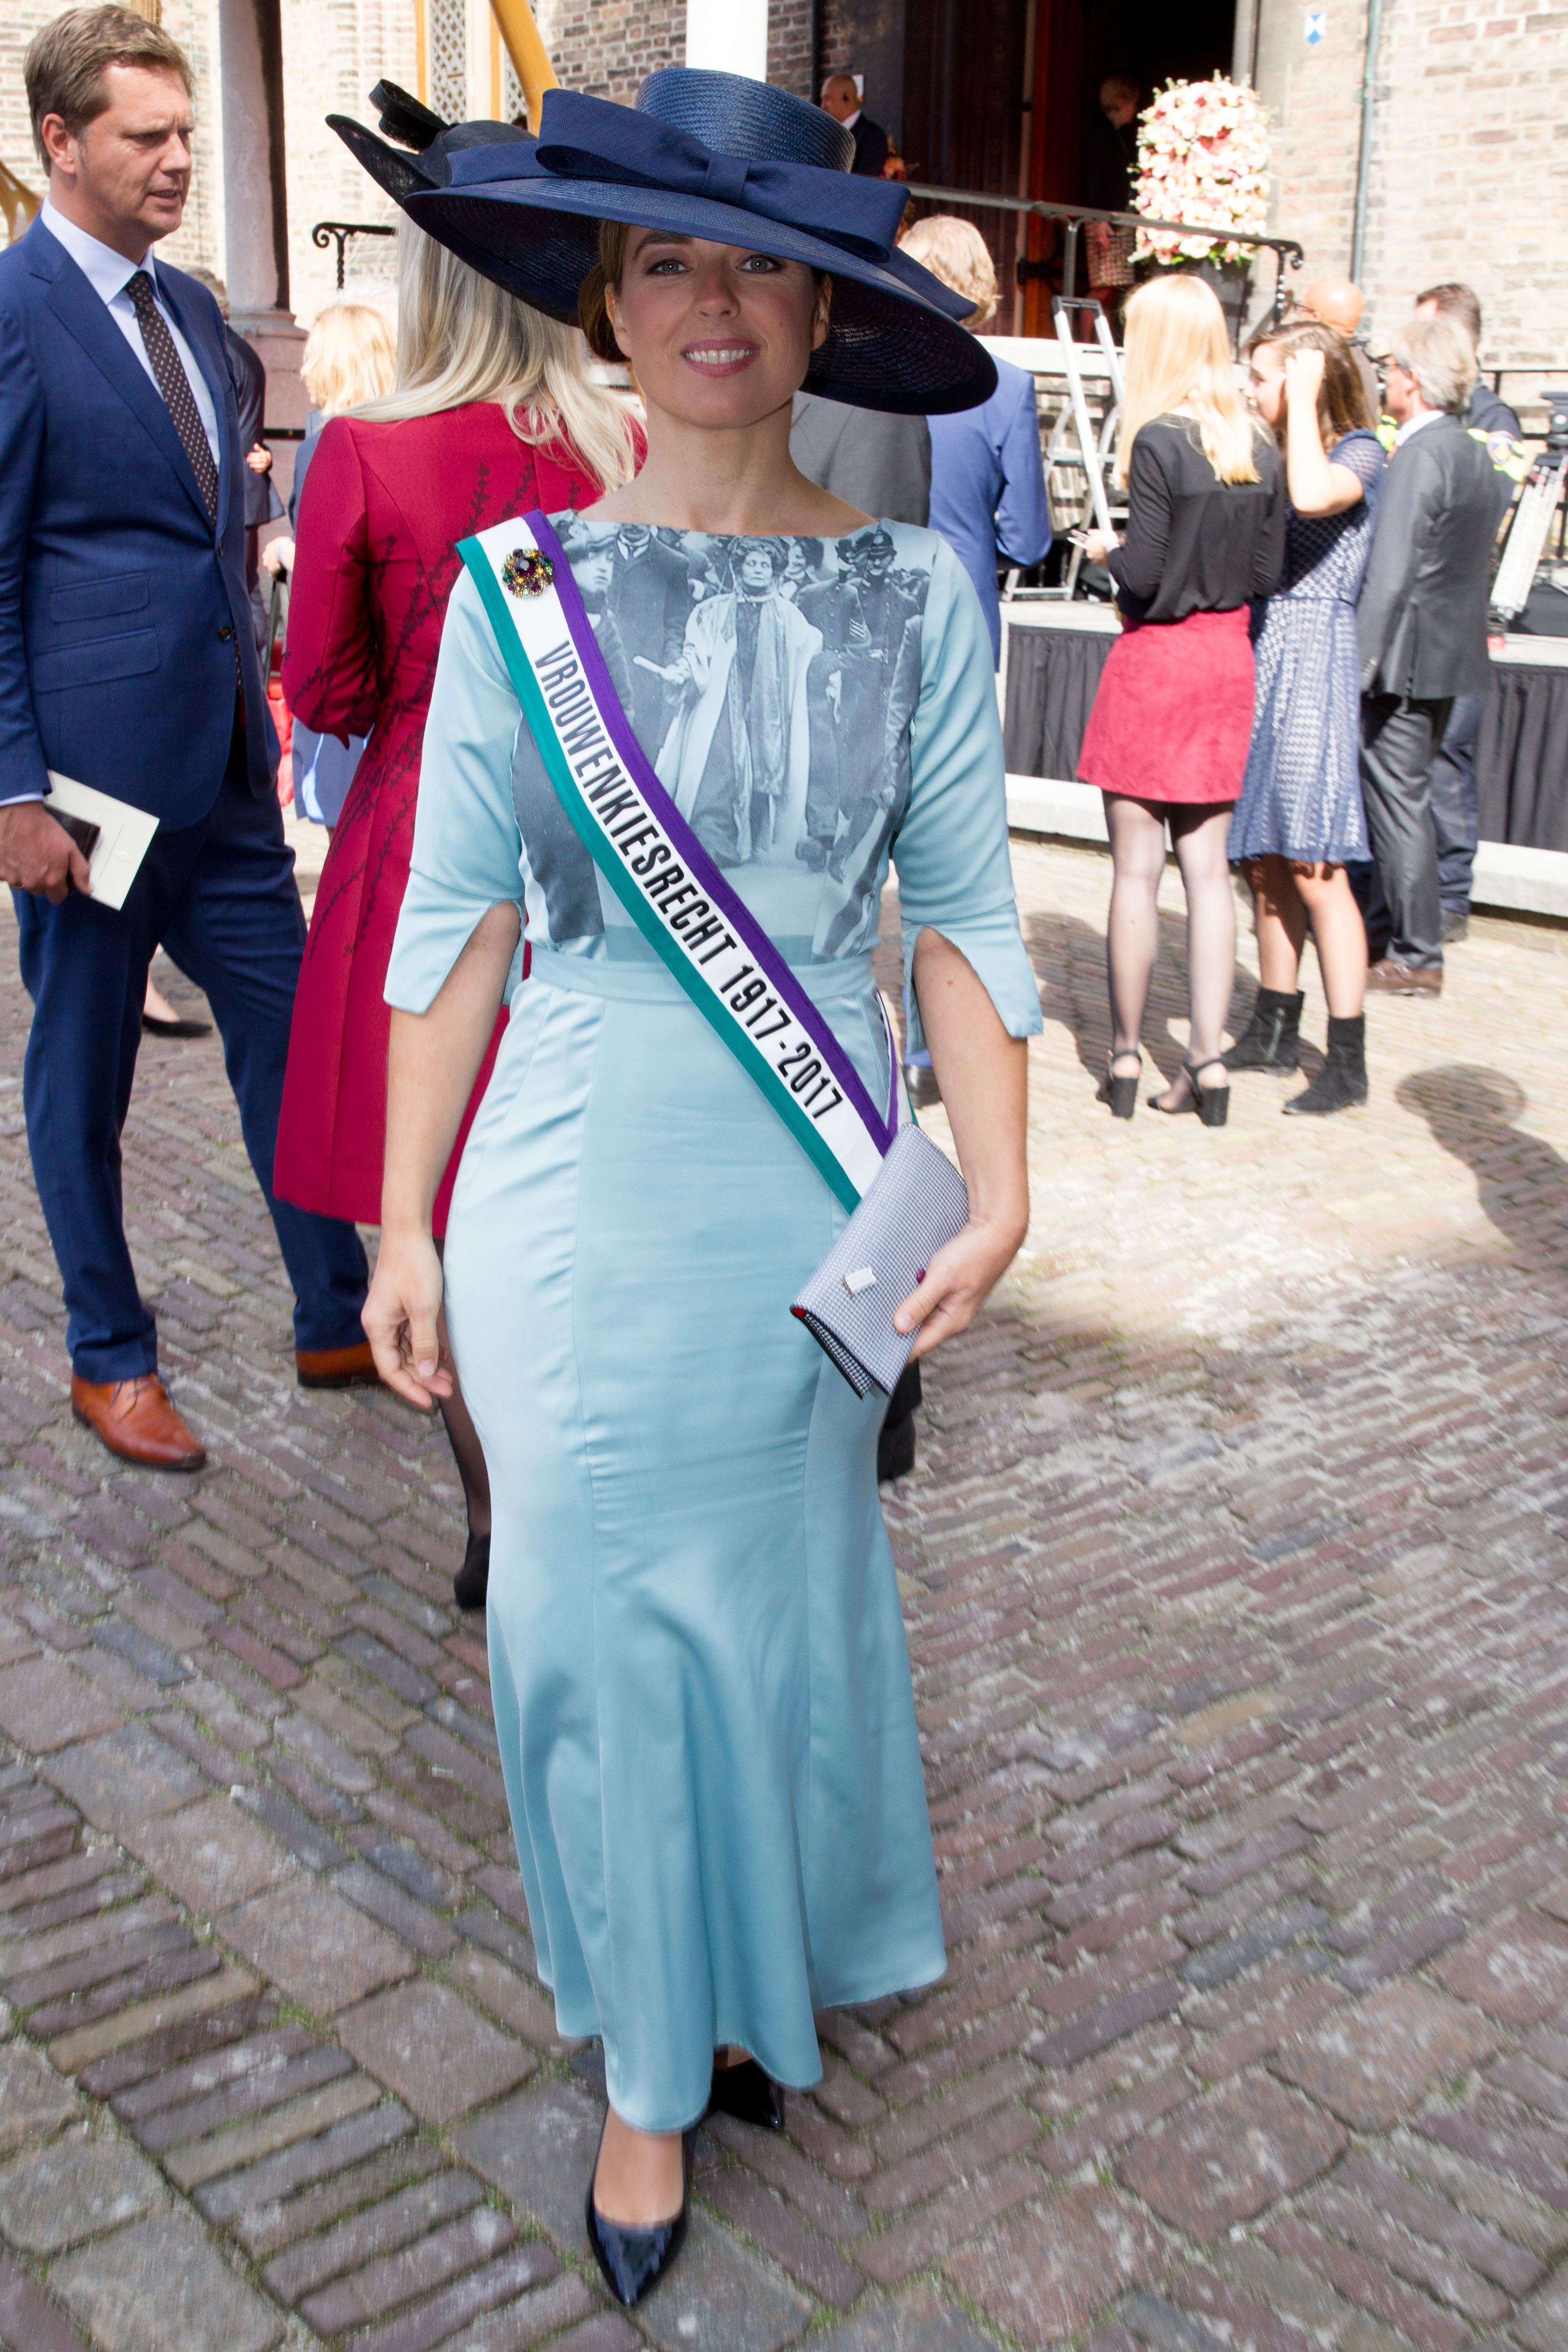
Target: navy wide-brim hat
<point x="715" y="155"/>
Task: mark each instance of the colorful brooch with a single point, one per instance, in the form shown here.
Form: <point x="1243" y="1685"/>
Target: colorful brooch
<point x="526" y="572"/>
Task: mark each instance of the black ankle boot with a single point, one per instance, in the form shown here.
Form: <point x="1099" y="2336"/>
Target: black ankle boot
<point x="1271" y="1039"/>
<point x="471" y="1582"/>
<point x="1341" y="1081"/>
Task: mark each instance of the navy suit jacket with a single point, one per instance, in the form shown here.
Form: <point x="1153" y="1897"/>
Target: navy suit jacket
<point x="122" y="609"/>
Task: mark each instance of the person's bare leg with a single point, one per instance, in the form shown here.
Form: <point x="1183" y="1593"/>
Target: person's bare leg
<point x="156" y="1005"/>
<point x="1132" y="926"/>
<point x="1337" y="933"/>
<point x="1200" y="835"/>
<point x="1281" y="922"/>
<point x="640" y="2180"/>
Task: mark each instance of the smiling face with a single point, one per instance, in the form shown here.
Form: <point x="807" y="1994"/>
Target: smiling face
<point x="717" y="335"/>
<point x="125" y="177"/>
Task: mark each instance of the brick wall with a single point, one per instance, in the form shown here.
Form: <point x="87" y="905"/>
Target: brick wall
<point x="1469" y="174"/>
<point x="609" y="47"/>
<point x="789" y="46"/>
<point x="334" y="51"/>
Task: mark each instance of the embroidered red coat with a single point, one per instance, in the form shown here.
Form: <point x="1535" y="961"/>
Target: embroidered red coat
<point x="383" y="509"/>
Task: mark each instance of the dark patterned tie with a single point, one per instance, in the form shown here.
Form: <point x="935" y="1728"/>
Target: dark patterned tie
<point x="175" y="386"/>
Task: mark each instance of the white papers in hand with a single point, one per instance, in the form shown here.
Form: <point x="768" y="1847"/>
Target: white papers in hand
<point x="123" y="833"/>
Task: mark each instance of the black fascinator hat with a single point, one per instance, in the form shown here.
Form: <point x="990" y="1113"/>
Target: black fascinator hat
<point x="711" y="155"/>
<point x="414" y="126"/>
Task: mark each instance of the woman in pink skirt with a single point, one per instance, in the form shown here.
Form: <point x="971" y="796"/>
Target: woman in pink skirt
<point x="1167" y="739"/>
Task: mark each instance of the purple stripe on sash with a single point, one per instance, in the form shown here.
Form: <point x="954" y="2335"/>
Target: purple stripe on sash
<point x="697" y="863"/>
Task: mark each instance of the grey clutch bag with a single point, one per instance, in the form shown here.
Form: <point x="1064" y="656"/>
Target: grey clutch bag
<point x="916" y="1203"/>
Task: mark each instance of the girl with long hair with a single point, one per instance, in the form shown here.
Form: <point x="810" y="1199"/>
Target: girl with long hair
<point x="1299" y="818"/>
<point x="1166" y="740"/>
<point x="492" y="413"/>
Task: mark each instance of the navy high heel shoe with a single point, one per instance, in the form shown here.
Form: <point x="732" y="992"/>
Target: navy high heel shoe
<point x="748" y="2093"/>
<point x="634" y="2261"/>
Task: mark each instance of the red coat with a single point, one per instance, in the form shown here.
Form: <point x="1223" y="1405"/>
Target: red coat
<point x="383" y="509"/>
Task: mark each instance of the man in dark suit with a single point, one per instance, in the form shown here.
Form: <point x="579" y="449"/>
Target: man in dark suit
<point x="1422" y="629"/>
<point x="874" y="156"/>
<point x="127" y="662"/>
<point x="1456" y="788"/>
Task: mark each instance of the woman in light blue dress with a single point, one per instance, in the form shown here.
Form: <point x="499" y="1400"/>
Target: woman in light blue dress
<point x="701" y="1682"/>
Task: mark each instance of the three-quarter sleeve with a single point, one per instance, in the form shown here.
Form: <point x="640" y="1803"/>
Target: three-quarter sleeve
<point x="468" y="849"/>
<point x="330" y="664"/>
<point x="955" y="871"/>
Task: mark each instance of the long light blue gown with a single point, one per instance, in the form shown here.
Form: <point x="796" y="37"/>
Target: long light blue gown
<point x="701" y="1682"/>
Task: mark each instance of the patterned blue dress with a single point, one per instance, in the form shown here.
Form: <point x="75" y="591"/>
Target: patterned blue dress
<point x="1301" y="797"/>
<point x="701" y="1689"/>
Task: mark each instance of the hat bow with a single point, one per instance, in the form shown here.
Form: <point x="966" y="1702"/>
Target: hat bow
<point x="580" y="138"/>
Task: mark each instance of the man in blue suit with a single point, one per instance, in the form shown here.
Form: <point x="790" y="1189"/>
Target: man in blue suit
<point x="128" y="662"/>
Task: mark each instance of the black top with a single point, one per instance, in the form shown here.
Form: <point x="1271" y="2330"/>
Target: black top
<point x="1110" y="161"/>
<point x="1490" y="413"/>
<point x="1194" y="543"/>
<point x="871" y="147"/>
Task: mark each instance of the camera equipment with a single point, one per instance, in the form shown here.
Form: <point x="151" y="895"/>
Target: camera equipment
<point x="1539" y="501"/>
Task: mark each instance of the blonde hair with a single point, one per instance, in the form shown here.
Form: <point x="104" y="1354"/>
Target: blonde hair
<point x="1178" y="356"/>
<point x="462" y="339"/>
<point x="349" y="357"/>
<point x="955" y="251"/>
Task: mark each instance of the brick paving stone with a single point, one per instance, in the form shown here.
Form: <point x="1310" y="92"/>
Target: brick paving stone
<point x="739" y="2199"/>
<point x="391" y="2279"/>
<point x="245" y="2143"/>
<point x="45" y="1704"/>
<point x="378" y="2230"/>
<point x="211" y="1854"/>
<point x="431" y="2049"/>
<point x="28" y="2321"/>
<point x="315" y="1947"/>
<point x="1045" y="2273"/>
<point x="160" y="2286"/>
<point x="1542" y="2324"/>
<point x="538" y="2149"/>
<point x="1517" y="1973"/>
<point x="1372" y="2063"/>
<point x="719" y="2298"/>
<point x="34" y="2099"/>
<point x="75" y="2188"/>
<point x="1224" y="2157"/>
<point x="918" y="2324"/>
<point x="124" y="1779"/>
<point x="1212" y="1618"/>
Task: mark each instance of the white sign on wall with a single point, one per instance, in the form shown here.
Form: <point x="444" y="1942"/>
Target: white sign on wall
<point x="731" y="34"/>
<point x="1317" y="25"/>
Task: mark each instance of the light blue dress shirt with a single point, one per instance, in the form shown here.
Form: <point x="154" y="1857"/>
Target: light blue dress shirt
<point x="988" y="487"/>
<point x="109" y="274"/>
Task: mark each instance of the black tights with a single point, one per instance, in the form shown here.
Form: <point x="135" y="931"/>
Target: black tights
<point x="464" y="1440"/>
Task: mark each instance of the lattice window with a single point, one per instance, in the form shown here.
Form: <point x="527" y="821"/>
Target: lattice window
<point x="512" y="106"/>
<point x="448" y="59"/>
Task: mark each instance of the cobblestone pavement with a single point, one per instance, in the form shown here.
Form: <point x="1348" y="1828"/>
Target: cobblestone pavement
<point x="1233" y="1567"/>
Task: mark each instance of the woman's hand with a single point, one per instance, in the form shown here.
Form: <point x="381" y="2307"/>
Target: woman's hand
<point x="958" y="1281"/>
<point x="259" y="458"/>
<point x="277" y="556"/>
<point x="1303" y="380"/>
<point x="402" y="1319"/>
<point x="1096" y="545"/>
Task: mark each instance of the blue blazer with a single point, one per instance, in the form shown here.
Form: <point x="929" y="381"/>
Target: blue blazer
<point x="122" y="609"/>
<point x="988" y="487"/>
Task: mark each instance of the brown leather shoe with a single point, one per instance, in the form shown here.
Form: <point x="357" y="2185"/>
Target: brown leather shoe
<point x="135" y="1419"/>
<point x="1388" y="978"/>
<point x="336" y="1368"/>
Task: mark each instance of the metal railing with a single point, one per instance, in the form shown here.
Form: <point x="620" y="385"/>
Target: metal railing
<point x="1075" y="217"/>
<point x="324" y="232"/>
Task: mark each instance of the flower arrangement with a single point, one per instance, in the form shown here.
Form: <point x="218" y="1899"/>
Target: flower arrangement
<point x="1203" y="156"/>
